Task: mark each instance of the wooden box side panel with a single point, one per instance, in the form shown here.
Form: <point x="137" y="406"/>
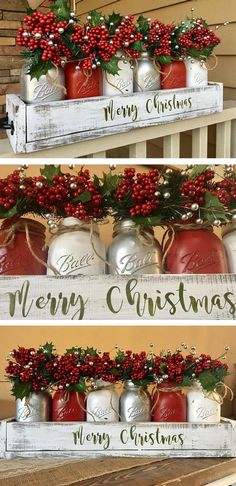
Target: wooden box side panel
<point x="16" y="110"/>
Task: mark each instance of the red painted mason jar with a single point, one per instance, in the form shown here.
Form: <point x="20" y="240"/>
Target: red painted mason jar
<point x="68" y="406"/>
<point x="78" y="85"/>
<point x="196" y="251"/>
<point x="16" y="258"/>
<point x="173" y="75"/>
<point x="169" y="406"/>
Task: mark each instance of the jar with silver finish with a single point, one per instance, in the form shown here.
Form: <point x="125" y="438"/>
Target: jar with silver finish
<point x="122" y="82"/>
<point x="50" y="87"/>
<point x="134" y="250"/>
<point x="229" y="241"/>
<point x="102" y="403"/>
<point x="146" y="74"/>
<point x="75" y="250"/>
<point x="35" y="408"/>
<point x="135" y="403"/>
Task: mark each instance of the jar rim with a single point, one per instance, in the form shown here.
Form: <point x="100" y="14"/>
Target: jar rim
<point x="128" y="223"/>
<point x="70" y="221"/>
<point x="228" y="228"/>
<point x="33" y="225"/>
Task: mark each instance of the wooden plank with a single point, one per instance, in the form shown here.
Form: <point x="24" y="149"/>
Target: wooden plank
<point x="81" y="298"/>
<point x="99" y="155"/>
<point x="14" y="5"/>
<point x="226" y="481"/>
<point x="228" y="41"/>
<point x="171" y="146"/>
<point x="16" y="110"/>
<point x="179" y="439"/>
<point x="3" y="437"/>
<point x="87" y="5"/>
<point x="132" y="6"/>
<point x="223" y="140"/>
<point x="138" y="150"/>
<point x="225" y="71"/>
<point x="233" y="139"/>
<point x="199" y="142"/>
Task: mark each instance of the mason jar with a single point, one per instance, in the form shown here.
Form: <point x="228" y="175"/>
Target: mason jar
<point x="102" y="403"/>
<point x="68" y="406"/>
<point x="17" y="238"/>
<point x="195" y="251"/>
<point x="169" y="404"/>
<point x="229" y="241"/>
<point x="74" y="250"/>
<point x="134" y="250"/>
<point x="50" y="87"/>
<point x="203" y="407"/>
<point x="146" y="74"/>
<point x="173" y="75"/>
<point x="135" y="403"/>
<point x="122" y="82"/>
<point x="196" y="73"/>
<point x="78" y="85"/>
<point x="35" y="408"/>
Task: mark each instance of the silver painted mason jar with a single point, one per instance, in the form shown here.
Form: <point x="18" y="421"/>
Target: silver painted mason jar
<point x="74" y="250"/>
<point x="102" y="403"/>
<point x="35" y="408"/>
<point x="229" y="241"/>
<point x="134" y="250"/>
<point x="120" y="83"/>
<point x="135" y="403"/>
<point x="50" y="87"/>
<point x="146" y="74"/>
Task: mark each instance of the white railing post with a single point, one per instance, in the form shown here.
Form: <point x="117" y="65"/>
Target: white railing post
<point x="223" y="142"/>
<point x="233" y="139"/>
<point x="171" y="146"/>
<point x="138" y="150"/>
<point x="199" y="142"/>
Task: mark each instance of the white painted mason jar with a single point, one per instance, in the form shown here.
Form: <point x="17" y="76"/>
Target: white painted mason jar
<point x="202" y="406"/>
<point x="146" y="74"/>
<point x="121" y="83"/>
<point x="133" y="251"/>
<point x="50" y="87"/>
<point x="102" y="403"/>
<point x="229" y="241"/>
<point x="196" y="73"/>
<point x="36" y="408"/>
<point x="71" y="251"/>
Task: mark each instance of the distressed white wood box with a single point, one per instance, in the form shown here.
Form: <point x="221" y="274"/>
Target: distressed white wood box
<point x="118" y="439"/>
<point x="51" y="124"/>
<point x="129" y="298"/>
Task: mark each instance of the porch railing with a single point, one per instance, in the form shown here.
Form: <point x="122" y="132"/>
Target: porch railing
<point x="165" y="139"/>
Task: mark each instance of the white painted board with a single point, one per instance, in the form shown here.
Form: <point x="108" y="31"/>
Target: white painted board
<point x="110" y="297"/>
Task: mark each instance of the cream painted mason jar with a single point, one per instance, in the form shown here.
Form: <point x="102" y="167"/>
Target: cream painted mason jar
<point x="121" y="83"/>
<point x="202" y="406"/>
<point x="229" y="241"/>
<point x="133" y="251"/>
<point x="196" y="73"/>
<point x="146" y="75"/>
<point x="46" y="88"/>
<point x="102" y="403"/>
<point x="36" y="408"/>
<point x="71" y="251"/>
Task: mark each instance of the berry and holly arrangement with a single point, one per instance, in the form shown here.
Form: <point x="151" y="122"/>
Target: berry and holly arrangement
<point x="33" y="370"/>
<point x="60" y="36"/>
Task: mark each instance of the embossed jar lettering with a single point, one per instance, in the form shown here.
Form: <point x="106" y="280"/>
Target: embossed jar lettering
<point x="68" y="406"/>
<point x="196" y="73"/>
<point x="203" y="406"/>
<point x="120" y="83"/>
<point x="50" y="87"/>
<point x="135" y="403"/>
<point x="173" y="75"/>
<point x="169" y="404"/>
<point x="102" y="403"/>
<point x="75" y="251"/>
<point x="79" y="84"/>
<point x="146" y="74"/>
<point x="133" y="250"/>
<point x="35" y="408"/>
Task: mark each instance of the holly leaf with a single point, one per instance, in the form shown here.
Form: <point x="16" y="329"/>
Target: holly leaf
<point x="95" y="18"/>
<point x="138" y="46"/>
<point x="21" y="390"/>
<point x="91" y="351"/>
<point x="49" y="171"/>
<point x="110" y="183"/>
<point x="187" y="381"/>
<point x="198" y="170"/>
<point x="207" y="380"/>
<point x="215" y="209"/>
<point x="143" y="25"/>
<point x="164" y="59"/>
<point x="9" y="213"/>
<point x="114" y="19"/>
<point x="79" y="387"/>
<point x="47" y="349"/>
<point x="83" y="197"/>
<point x="111" y="66"/>
<point x="74" y="350"/>
<point x="61" y="9"/>
<point x="30" y="10"/>
<point x="148" y="220"/>
<point x="37" y="70"/>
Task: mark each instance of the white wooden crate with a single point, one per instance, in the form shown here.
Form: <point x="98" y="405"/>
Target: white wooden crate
<point x="118" y="439"/>
<point x="51" y="124"/>
<point x="109" y="297"/>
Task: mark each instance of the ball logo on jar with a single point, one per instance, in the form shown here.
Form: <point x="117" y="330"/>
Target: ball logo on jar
<point x="68" y="264"/>
<point x="149" y="80"/>
<point x="7" y="265"/>
<point x="65" y="410"/>
<point x="194" y="261"/>
<point x="100" y="413"/>
<point x="87" y="88"/>
<point x="132" y="262"/>
<point x="134" y="412"/>
<point x="28" y="411"/>
<point x="166" y="413"/>
<point x="123" y="85"/>
<point x="44" y="90"/>
<point x="204" y="413"/>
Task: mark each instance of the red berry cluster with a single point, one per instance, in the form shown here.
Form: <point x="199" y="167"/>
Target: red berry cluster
<point x="226" y="192"/>
<point x="126" y="35"/>
<point x="199" y="36"/>
<point x="160" y="39"/>
<point x="140" y="190"/>
<point x="170" y="367"/>
<point x="10" y="190"/>
<point x="45" y="33"/>
<point x="194" y="189"/>
<point x="29" y="366"/>
<point x="134" y="366"/>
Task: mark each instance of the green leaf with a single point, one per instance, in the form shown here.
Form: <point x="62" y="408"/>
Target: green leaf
<point x="207" y="380"/>
<point x="164" y="59"/>
<point x="95" y="18"/>
<point x="138" y="46"/>
<point x="61" y="9"/>
<point x="37" y="70"/>
<point x="143" y="25"/>
<point x="187" y="381"/>
<point x="148" y="220"/>
<point x="47" y="349"/>
<point x="111" y="66"/>
<point x="29" y="10"/>
<point x="215" y="209"/>
<point x="91" y="351"/>
<point x="110" y="183"/>
<point x="114" y="18"/>
<point x="9" y="213"/>
<point x="49" y="171"/>
<point x="73" y="350"/>
<point x="21" y="390"/>
<point x="198" y="170"/>
<point x="83" y="197"/>
<point x="79" y="387"/>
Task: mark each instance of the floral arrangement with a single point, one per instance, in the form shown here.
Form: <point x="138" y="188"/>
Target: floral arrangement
<point x="41" y="369"/>
<point x="59" y="36"/>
